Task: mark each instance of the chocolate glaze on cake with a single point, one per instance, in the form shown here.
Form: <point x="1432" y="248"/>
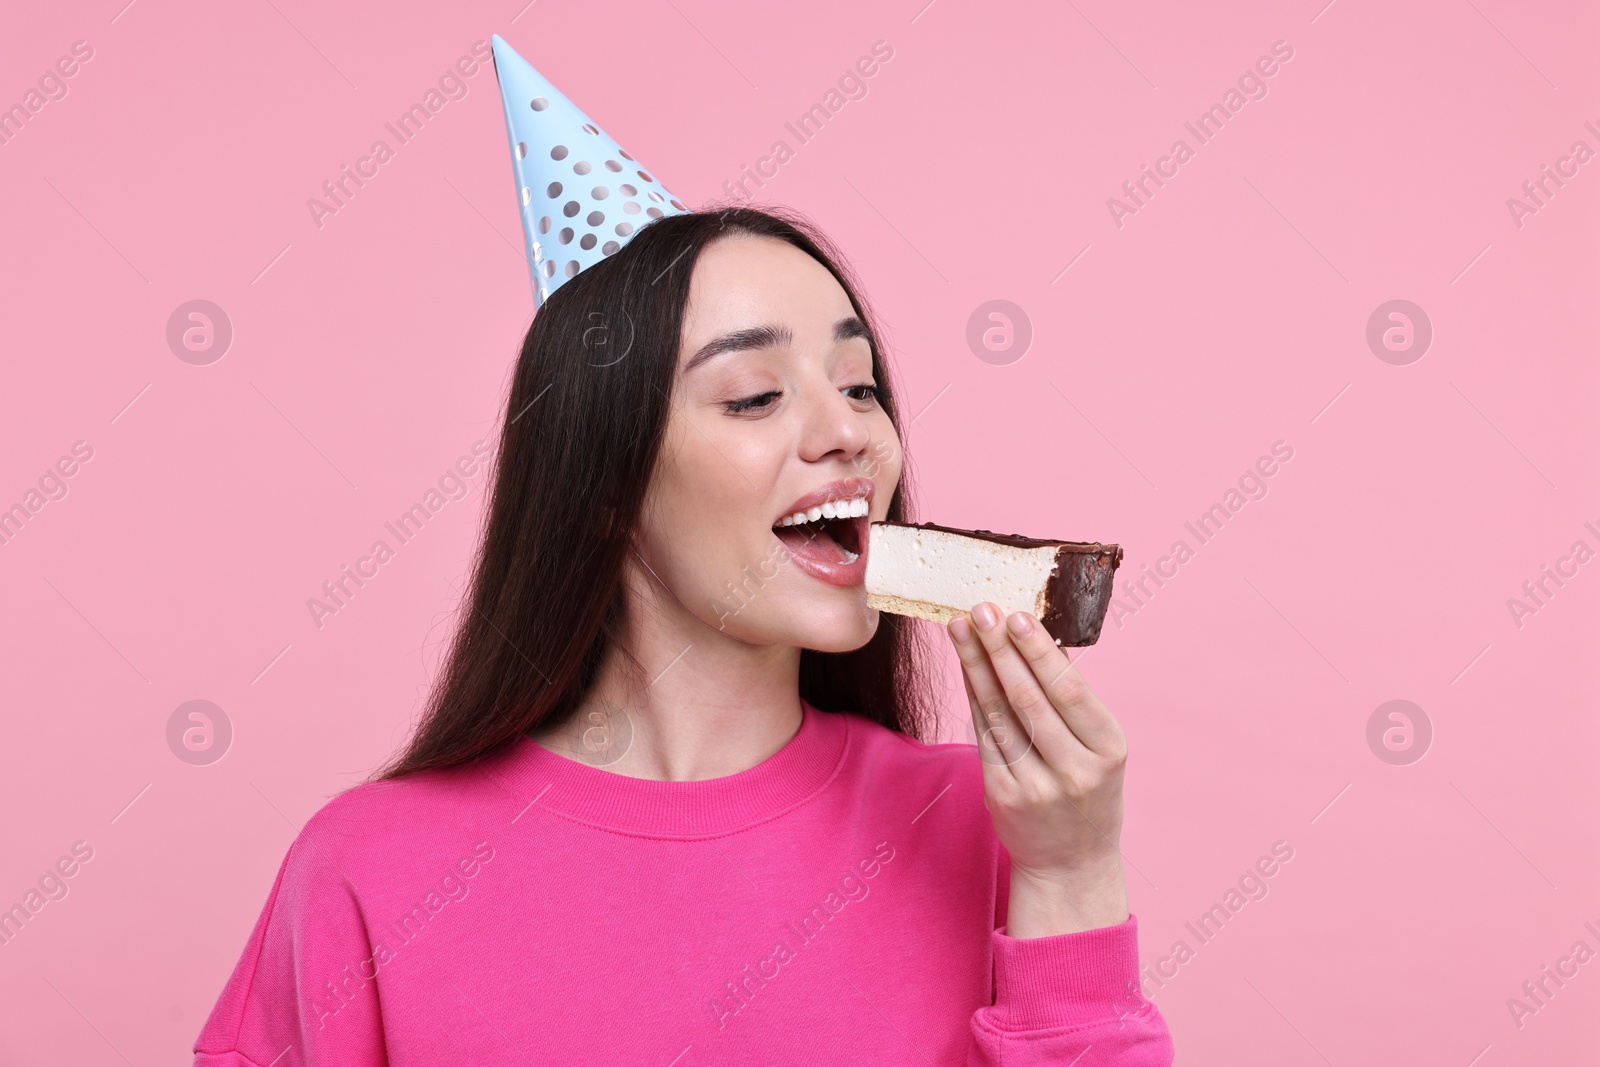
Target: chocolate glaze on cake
<point x="1079" y="589"/>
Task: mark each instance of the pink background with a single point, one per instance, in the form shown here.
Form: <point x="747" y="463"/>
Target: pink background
<point x="1229" y="313"/>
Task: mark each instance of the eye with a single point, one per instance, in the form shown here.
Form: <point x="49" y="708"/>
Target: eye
<point x="751" y="403"/>
<point x="873" y="392"/>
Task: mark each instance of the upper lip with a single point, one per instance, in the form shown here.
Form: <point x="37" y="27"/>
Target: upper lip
<point x="842" y="489"/>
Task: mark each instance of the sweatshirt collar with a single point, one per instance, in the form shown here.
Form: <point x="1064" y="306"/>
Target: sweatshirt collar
<point x="709" y="807"/>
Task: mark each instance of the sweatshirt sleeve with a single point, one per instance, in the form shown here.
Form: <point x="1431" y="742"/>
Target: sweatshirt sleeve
<point x="1069" y="999"/>
<point x="304" y="992"/>
<point x="1066" y="999"/>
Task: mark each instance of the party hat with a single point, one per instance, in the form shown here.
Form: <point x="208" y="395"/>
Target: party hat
<point x="581" y="196"/>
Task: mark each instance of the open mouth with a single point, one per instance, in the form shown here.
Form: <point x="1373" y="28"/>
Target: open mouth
<point x="835" y="538"/>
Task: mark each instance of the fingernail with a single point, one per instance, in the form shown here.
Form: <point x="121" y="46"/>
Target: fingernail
<point x="1019" y="624"/>
<point x="960" y="630"/>
<point x="985" y="617"/>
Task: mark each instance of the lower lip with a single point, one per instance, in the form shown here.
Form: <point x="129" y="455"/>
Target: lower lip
<point x="825" y="570"/>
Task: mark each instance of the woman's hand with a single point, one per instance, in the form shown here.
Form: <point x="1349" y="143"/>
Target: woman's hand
<point x="1052" y="774"/>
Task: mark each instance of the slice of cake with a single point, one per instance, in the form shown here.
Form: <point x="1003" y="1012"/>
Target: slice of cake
<point x="937" y="572"/>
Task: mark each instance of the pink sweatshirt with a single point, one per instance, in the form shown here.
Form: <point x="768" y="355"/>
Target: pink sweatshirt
<point x="841" y="902"/>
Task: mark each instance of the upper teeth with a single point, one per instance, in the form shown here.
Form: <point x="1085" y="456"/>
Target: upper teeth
<point x="841" y="509"/>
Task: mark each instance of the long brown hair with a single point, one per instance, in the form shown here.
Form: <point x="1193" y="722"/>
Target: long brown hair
<point x="579" y="440"/>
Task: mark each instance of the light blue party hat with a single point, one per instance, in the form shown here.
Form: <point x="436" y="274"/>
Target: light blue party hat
<point x="582" y="197"/>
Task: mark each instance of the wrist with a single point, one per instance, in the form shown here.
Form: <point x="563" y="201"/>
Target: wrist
<point x="1043" y="903"/>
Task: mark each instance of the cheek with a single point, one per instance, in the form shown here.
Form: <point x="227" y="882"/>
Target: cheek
<point x="691" y="552"/>
<point x="885" y="464"/>
<point x="707" y="516"/>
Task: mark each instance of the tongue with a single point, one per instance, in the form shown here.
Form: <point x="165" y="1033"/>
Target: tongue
<point x="812" y="542"/>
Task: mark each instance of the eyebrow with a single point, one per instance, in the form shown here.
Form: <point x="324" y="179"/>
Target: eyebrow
<point x="769" y="336"/>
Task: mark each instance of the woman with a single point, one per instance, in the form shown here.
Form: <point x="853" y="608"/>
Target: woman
<point x="668" y="803"/>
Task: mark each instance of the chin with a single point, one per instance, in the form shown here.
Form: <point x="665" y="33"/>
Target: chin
<point x="824" y="627"/>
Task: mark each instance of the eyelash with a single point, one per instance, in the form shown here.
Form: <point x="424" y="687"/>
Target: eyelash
<point x="750" y="403"/>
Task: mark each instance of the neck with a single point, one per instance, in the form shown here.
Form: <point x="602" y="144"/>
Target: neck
<point x="676" y="699"/>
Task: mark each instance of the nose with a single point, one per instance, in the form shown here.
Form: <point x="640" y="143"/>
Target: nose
<point x="831" y="425"/>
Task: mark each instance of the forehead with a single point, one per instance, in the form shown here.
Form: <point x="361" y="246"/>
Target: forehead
<point x="745" y="280"/>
